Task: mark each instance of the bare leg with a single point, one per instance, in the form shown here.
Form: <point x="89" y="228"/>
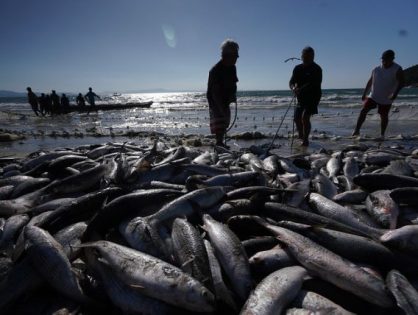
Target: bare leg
<point x="220" y="139"/>
<point x="306" y="120"/>
<point x="298" y="122"/>
<point x="360" y="121"/>
<point x="384" y="120"/>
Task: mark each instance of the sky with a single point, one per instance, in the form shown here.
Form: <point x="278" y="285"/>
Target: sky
<point x="135" y="45"/>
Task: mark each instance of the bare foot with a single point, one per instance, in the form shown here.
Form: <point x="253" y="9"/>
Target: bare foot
<point x="355" y="133"/>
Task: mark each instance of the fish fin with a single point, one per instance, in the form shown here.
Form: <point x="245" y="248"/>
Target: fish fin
<point x="317" y="264"/>
<point x="316" y="227"/>
<point x="307" y="277"/>
<point x="103" y="261"/>
<point x="187" y="262"/>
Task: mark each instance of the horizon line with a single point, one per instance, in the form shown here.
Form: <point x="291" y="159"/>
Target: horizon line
<point x="178" y="91"/>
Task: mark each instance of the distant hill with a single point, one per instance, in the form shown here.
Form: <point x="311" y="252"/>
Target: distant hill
<point x="4" y="93"/>
<point x="411" y="76"/>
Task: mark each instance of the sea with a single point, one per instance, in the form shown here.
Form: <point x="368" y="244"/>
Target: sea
<point x="186" y="113"/>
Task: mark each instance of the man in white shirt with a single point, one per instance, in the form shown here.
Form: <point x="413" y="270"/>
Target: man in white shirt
<point x="384" y="85"/>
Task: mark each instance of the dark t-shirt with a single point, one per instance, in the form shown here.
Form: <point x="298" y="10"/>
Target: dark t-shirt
<point x="32" y="98"/>
<point x="55" y="100"/>
<point x="309" y="79"/>
<point x="65" y="102"/>
<point x="80" y="101"/>
<point x="91" y="97"/>
<point x="223" y="80"/>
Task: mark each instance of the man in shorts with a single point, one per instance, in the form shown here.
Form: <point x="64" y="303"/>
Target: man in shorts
<point x="384" y="85"/>
<point x="222" y="90"/>
<point x="306" y="85"/>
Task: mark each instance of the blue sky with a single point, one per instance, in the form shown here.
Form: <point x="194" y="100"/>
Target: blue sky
<point x="129" y="45"/>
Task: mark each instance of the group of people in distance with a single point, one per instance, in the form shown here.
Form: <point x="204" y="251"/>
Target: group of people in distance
<point x="381" y="90"/>
<point x="53" y="105"/>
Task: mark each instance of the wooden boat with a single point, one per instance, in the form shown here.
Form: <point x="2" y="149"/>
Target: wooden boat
<point x="86" y="108"/>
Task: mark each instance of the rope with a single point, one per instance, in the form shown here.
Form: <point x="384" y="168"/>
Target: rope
<point x="233" y="122"/>
<point x="293" y="131"/>
<point x="281" y="123"/>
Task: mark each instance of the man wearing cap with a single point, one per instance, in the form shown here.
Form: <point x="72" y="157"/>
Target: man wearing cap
<point x="306" y="85"/>
<point x="222" y="90"/>
<point x="384" y="85"/>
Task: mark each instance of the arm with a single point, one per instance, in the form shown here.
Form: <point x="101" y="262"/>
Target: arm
<point x="292" y="82"/>
<point x="401" y="82"/>
<point x="97" y="96"/>
<point x="367" y="88"/>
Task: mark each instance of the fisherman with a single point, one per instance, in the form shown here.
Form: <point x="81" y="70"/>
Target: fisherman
<point x="65" y="102"/>
<point x="306" y="85"/>
<point x="48" y="103"/>
<point x="381" y="90"/>
<point x="33" y="101"/>
<point x="90" y="97"/>
<point x="42" y="104"/>
<point x="80" y="100"/>
<point x="55" y="103"/>
<point x="222" y="90"/>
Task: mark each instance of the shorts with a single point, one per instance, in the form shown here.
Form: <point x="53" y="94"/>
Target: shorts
<point x="219" y="120"/>
<point x="311" y="109"/>
<point x="382" y="109"/>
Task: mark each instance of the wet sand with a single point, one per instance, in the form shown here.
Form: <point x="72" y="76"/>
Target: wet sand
<point x="331" y="130"/>
<point x="283" y="144"/>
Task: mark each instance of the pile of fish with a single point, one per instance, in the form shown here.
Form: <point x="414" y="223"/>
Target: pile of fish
<point x="154" y="229"/>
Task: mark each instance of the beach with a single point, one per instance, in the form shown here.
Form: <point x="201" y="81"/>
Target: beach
<point x="141" y="198"/>
<point x="184" y="116"/>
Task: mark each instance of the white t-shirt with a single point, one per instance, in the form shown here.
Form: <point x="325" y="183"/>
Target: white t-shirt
<point x="384" y="83"/>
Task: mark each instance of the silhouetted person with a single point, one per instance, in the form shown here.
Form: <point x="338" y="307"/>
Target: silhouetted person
<point x="33" y="100"/>
<point x="384" y="85"/>
<point x="306" y="85"/>
<point x="65" y="102"/>
<point x="90" y="97"/>
<point x="42" y="104"/>
<point x="222" y="90"/>
<point x="55" y="103"/>
<point x="80" y="100"/>
<point x="48" y="105"/>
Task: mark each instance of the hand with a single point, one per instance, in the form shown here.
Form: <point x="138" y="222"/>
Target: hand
<point x="296" y="91"/>
<point x="363" y="97"/>
<point x="392" y="97"/>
